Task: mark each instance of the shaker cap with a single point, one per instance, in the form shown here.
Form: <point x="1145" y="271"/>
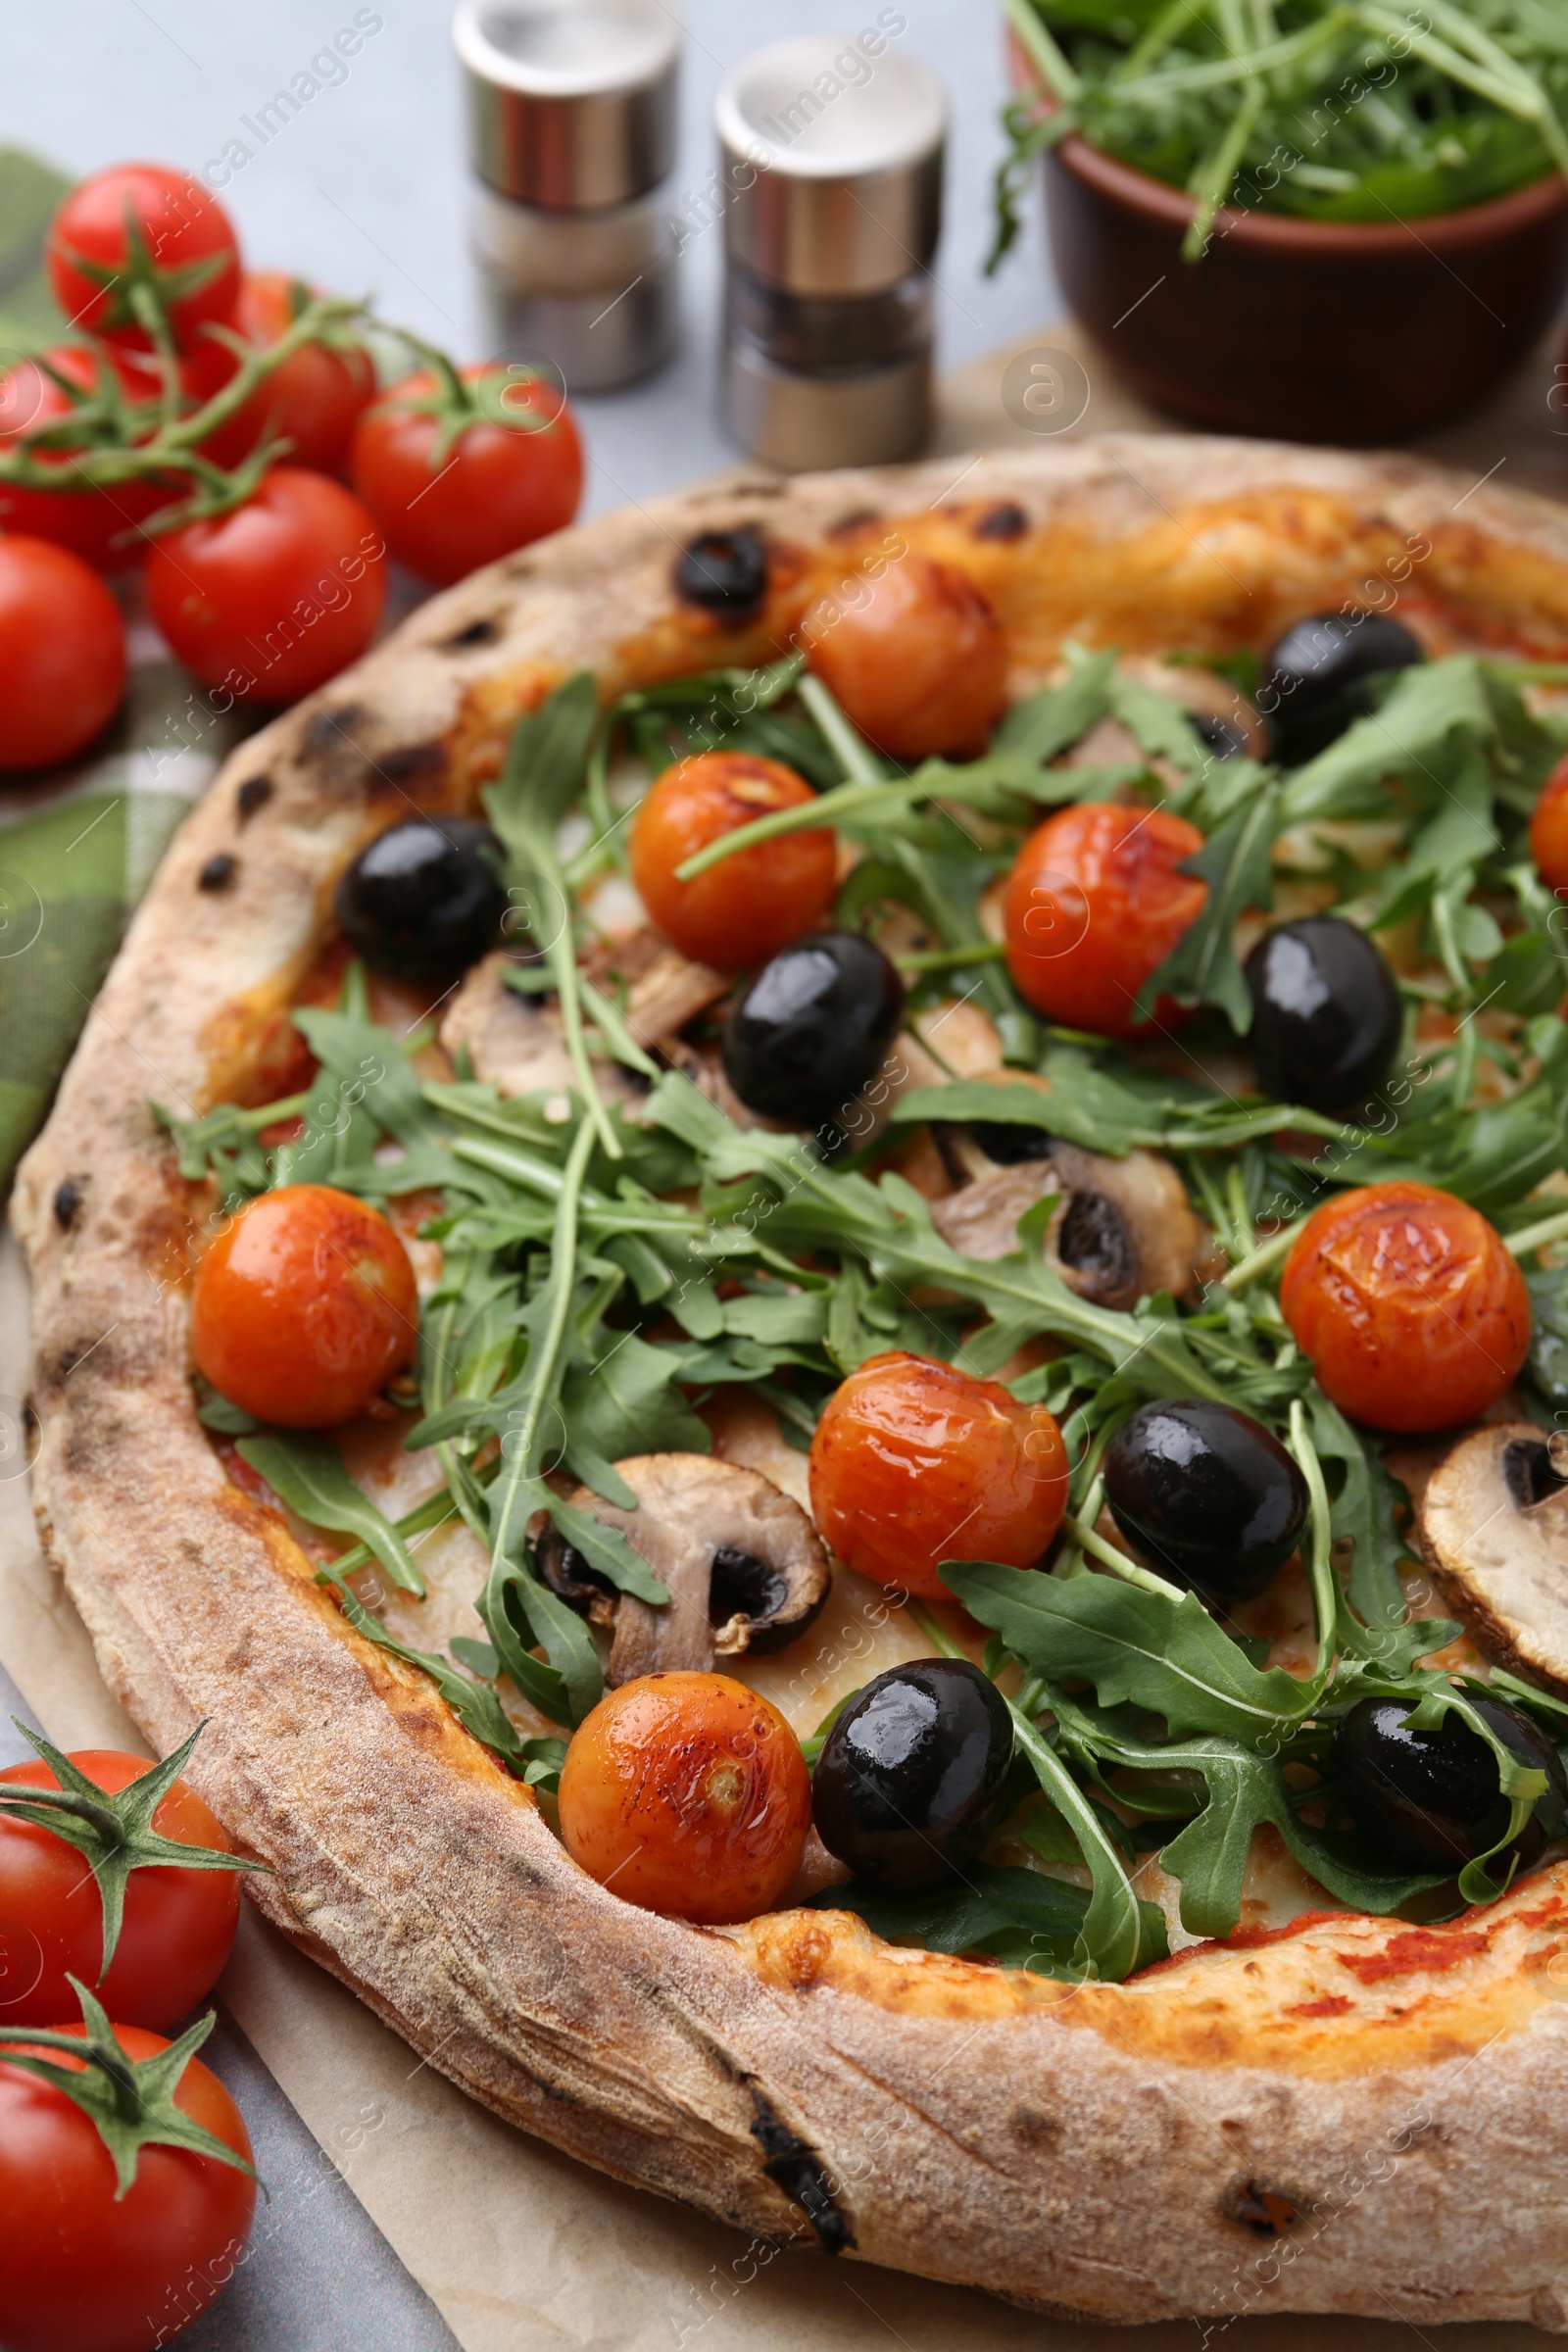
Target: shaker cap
<point x="571" y="103"/>
<point x="833" y="150"/>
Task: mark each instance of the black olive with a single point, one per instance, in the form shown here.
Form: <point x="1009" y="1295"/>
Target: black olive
<point x="1316" y="677"/>
<point x="1205" y="1495"/>
<point x="1007" y="1145"/>
<point x="424" y="897"/>
<point x="1225" y="737"/>
<point x="723" y="573"/>
<point x="1430" y="1799"/>
<point x="813" y="1027"/>
<point x="1326" y="1015"/>
<point x="912" y="1777"/>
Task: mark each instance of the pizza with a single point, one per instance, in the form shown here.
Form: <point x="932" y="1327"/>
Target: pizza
<point x="804" y="1272"/>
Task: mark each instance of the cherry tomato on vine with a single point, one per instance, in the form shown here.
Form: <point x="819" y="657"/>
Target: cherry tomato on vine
<point x="1549" y="830"/>
<point x="82" y="2270"/>
<point x="314" y="399"/>
<point x="62" y="654"/>
<point x="275" y="596"/>
<point x="304" y="1307"/>
<point x="1093" y="906"/>
<point x="505" y="479"/>
<point x="101" y="526"/>
<point x="740" y="911"/>
<point x="915" y="658"/>
<point x="1409" y="1303"/>
<point x="176" y="1926"/>
<point x="689" y="1794"/>
<point x="914" y="1462"/>
<point x="141" y="225"/>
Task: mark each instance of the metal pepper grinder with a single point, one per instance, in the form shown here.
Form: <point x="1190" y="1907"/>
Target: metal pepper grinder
<point x="832" y="154"/>
<point x="572" y="113"/>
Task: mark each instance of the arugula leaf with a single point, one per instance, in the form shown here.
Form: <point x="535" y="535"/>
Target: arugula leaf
<point x="626" y="1403"/>
<point x="1168" y="1656"/>
<point x="306" y="1471"/>
<point x="475" y="1704"/>
<point x="1237" y="864"/>
<point x="1022" y="1916"/>
<point x="1364" y="1514"/>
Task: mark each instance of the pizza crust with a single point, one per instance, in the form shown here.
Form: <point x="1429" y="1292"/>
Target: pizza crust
<point x="1355" y="2115"/>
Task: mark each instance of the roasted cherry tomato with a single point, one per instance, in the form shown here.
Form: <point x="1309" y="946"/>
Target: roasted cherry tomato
<point x="100" y="525"/>
<point x="62" y="654"/>
<point x="314" y="400"/>
<point x="304" y="1307"/>
<point x="176" y="1926"/>
<point x="917" y="660"/>
<point x="505" y="480"/>
<point x="914" y="1463"/>
<point x="1411" y="1307"/>
<point x="83" y="2271"/>
<point x="1094" y="905"/>
<point x="739" y="911"/>
<point x="688" y="1794"/>
<point x="142" y="225"/>
<point x="1549" y="830"/>
<point x="275" y="596"/>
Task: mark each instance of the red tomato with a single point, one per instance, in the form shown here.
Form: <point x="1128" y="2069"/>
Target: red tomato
<point x="279" y="595"/>
<point x="916" y="659"/>
<point x="914" y="1463"/>
<point x="497" y="488"/>
<point x="1549" y="830"/>
<point x="62" y="654"/>
<point x="688" y="1794"/>
<point x="100" y="525"/>
<point x="304" y="1307"/>
<point x="1411" y="1305"/>
<point x="178" y="1926"/>
<point x="141" y="222"/>
<point x="1093" y="906"/>
<point x="79" y="2272"/>
<point x="738" y="912"/>
<point x="314" y="399"/>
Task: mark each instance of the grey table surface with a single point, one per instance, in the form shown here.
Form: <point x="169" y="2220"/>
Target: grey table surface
<point x="366" y="190"/>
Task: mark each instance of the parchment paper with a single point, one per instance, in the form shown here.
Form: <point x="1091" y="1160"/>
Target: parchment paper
<point x="521" y="2249"/>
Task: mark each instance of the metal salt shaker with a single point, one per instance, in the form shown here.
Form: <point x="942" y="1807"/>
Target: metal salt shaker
<point x="572" y="113"/>
<point x="832" y="150"/>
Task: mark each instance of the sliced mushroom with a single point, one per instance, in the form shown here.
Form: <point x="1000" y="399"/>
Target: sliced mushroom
<point x="745" y="1567"/>
<point x="518" y="1042"/>
<point x="1124" y="1227"/>
<point x="1494" y="1529"/>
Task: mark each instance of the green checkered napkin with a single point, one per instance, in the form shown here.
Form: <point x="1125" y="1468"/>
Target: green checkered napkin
<point x="78" y="847"/>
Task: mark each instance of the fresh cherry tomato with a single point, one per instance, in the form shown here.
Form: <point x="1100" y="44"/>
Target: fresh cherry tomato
<point x="1549" y="830"/>
<point x="100" y="524"/>
<point x="1411" y="1305"/>
<point x="914" y="1463"/>
<point x="82" y="2271"/>
<point x="314" y="399"/>
<point x="275" y="596"/>
<point x="740" y="911"/>
<point x="142" y="225"/>
<point x="177" y="1925"/>
<point x="916" y="659"/>
<point x="499" y="486"/>
<point x="1093" y="906"/>
<point x="688" y="1794"/>
<point x="304" y="1307"/>
<point x="62" y="654"/>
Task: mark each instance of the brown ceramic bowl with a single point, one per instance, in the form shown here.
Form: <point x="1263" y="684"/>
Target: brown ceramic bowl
<point x="1317" y="331"/>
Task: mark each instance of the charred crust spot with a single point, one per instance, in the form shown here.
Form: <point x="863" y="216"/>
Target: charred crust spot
<point x="253" y="794"/>
<point x="411" y="761"/>
<point x="797" y="2171"/>
<point x="327" y="730"/>
<point x="1261" y="2209"/>
<point x="68" y="1201"/>
<point x="477" y="632"/>
<point x="219" y="871"/>
<point x="1004" y="521"/>
<point x="1034" y="2129"/>
<point x="724" y="573"/>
